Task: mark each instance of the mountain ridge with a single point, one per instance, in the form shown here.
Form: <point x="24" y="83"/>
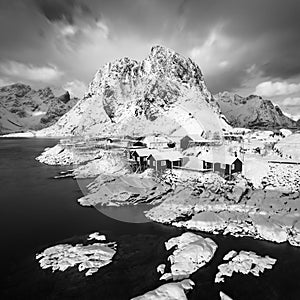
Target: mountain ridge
<point x="252" y="112"/>
<point x="23" y="108"/>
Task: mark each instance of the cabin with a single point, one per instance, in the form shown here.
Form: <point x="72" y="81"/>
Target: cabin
<point x="156" y="142"/>
<point x="141" y="155"/>
<point x="157" y="162"/>
<point x="164" y="160"/>
<point x="224" y="165"/>
<point x="129" y="151"/>
<point x="185" y="141"/>
<point x="196" y="140"/>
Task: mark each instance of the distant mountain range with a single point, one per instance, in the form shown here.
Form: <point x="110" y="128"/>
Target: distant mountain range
<point x="165" y="94"/>
<point x="23" y="108"/>
<point x="253" y="112"/>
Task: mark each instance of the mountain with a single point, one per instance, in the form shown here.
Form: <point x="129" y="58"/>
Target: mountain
<point x="23" y="108"/>
<point x="252" y="112"/>
<point x="164" y="93"/>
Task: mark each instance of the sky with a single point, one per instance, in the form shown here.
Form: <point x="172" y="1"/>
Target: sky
<point x="242" y="46"/>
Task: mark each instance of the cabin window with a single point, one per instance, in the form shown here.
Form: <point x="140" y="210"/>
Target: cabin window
<point x="163" y="163"/>
<point x="223" y="166"/>
<point x="232" y="167"/>
<point x="154" y="163"/>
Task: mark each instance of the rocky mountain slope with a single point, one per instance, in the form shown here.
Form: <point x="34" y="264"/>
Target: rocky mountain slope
<point x="164" y="93"/>
<point x="252" y="112"/>
<point x="23" y="108"/>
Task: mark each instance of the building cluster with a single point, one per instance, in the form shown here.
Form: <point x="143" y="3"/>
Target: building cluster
<point x="160" y="153"/>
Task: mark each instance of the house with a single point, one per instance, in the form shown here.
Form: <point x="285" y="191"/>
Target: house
<point x="156" y="142"/>
<point x="141" y="155"/>
<point x="164" y="160"/>
<point x="185" y="141"/>
<point x="223" y="164"/>
<point x="195" y="140"/>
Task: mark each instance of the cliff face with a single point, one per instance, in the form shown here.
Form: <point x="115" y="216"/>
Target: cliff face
<point x="162" y="93"/>
<point x="252" y="112"/>
<point x="23" y="108"/>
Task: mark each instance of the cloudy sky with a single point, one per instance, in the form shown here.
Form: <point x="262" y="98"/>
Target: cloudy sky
<point x="243" y="46"/>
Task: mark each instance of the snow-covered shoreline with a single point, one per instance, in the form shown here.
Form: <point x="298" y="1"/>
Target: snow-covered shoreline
<point x="220" y="207"/>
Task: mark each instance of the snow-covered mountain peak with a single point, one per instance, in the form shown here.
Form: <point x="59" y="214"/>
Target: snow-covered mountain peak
<point x="136" y="93"/>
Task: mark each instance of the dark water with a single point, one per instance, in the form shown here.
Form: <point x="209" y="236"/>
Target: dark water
<point x="37" y="212"/>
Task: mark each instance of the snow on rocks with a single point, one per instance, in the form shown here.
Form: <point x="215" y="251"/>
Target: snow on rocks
<point x="191" y="253"/>
<point x="107" y="164"/>
<point x="169" y="291"/>
<point x="65" y="155"/>
<point x="284" y="177"/>
<point x="97" y="236"/>
<point x="205" y="206"/>
<point x="289" y="146"/>
<point x="270" y="229"/>
<point x="56" y="155"/>
<point x="223" y="296"/>
<point x="126" y="189"/>
<point x="89" y="258"/>
<point x="244" y="262"/>
<point x="161" y="268"/>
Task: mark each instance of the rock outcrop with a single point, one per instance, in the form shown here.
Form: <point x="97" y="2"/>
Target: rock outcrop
<point x="244" y="262"/>
<point x="169" y="291"/>
<point x="89" y="258"/>
<point x="191" y="252"/>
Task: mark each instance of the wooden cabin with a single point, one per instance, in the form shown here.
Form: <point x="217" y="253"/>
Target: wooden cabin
<point x="156" y="142"/>
<point x="141" y="155"/>
<point x="164" y="160"/>
<point x="224" y="165"/>
<point x="196" y="140"/>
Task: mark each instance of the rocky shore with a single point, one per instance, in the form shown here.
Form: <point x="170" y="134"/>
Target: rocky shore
<point x="214" y="205"/>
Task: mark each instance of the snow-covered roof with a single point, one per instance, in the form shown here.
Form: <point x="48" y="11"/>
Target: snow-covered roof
<point x="155" y="139"/>
<point x="167" y="155"/>
<point x="219" y="158"/>
<point x="196" y="137"/>
<point x="144" y="152"/>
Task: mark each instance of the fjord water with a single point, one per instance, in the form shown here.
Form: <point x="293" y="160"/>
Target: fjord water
<point x="38" y="211"/>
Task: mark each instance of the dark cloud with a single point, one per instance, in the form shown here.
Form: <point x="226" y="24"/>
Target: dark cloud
<point x="224" y="37"/>
<point x="61" y="10"/>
